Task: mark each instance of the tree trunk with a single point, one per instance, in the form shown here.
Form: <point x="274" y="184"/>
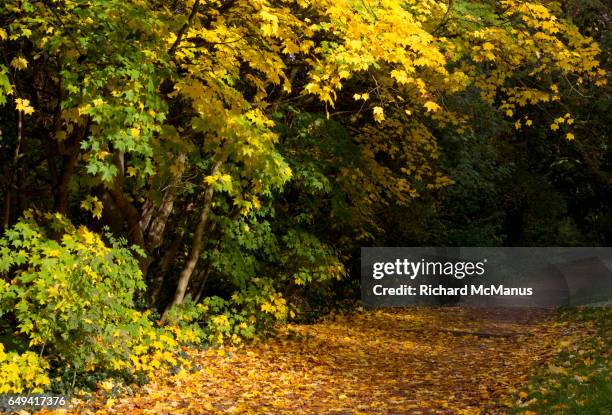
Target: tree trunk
<point x="164" y="266"/>
<point x="130" y="213"/>
<point x="205" y="276"/>
<point x="157" y="225"/>
<point x="196" y="248"/>
<point x="63" y="189"/>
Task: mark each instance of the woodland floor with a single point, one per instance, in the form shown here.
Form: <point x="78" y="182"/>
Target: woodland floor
<point x="416" y="361"/>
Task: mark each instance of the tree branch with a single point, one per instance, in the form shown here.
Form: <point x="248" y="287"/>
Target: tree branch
<point x="183" y="29"/>
<point x="445" y="18"/>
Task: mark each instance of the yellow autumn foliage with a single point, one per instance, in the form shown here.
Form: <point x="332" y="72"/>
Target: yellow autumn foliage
<point x="21" y="373"/>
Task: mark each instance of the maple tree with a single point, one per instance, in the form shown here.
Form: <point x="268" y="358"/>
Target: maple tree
<point x="244" y="148"/>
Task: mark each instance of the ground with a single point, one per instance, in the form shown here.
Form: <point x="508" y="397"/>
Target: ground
<point x="414" y="361"/>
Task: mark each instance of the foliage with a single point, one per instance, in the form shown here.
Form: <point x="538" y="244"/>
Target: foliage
<point x="248" y="312"/>
<point x="247" y="149"/>
<point x="578" y="380"/>
<point x="69" y="300"/>
<point x="433" y="361"/>
<point x="19" y="372"/>
<point x="67" y="294"/>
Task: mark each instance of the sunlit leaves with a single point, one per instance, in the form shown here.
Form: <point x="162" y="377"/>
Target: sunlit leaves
<point x="431" y="106"/>
<point x="22" y="372"/>
<point x="19" y="63"/>
<point x="70" y="287"/>
<point x="94" y="205"/>
<point x="379" y="114"/>
<point x="23" y="105"/>
<point x="157" y="103"/>
<point x="298" y="371"/>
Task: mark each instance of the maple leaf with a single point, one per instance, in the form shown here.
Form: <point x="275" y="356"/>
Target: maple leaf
<point x="431" y="106"/>
<point x="379" y="114"/>
<point x="19" y="63"/>
<point x="23" y="105"/>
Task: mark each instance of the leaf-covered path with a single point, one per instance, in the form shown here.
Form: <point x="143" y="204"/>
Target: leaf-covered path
<point x="425" y="361"/>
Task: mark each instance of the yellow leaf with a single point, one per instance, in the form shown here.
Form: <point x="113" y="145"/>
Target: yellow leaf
<point x="379" y="114"/>
<point x="19" y="63"/>
<point x="107" y="385"/>
<point x="23" y="105"/>
<point x="431" y="106"/>
<point x="488" y="46"/>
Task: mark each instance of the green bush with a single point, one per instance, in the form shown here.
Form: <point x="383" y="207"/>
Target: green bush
<point x="68" y="297"/>
<point x="248" y="312"/>
<point x="22" y="371"/>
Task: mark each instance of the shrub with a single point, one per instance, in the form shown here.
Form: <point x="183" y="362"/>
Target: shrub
<point x="22" y="371"/>
<point x="218" y="321"/>
<point x="68" y="297"/>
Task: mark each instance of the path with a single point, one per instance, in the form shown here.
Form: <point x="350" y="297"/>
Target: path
<point x="425" y="361"/>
